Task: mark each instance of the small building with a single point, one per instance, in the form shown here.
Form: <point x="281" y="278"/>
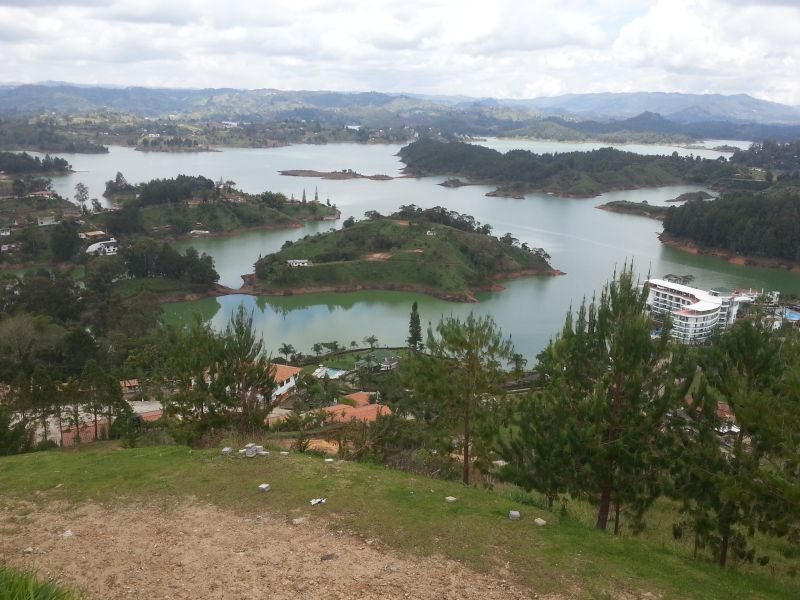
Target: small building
<point x="298" y="262"/>
<point x="109" y="247"/>
<point x="93" y="236"/>
<point x="344" y="413"/>
<point x="44" y="220"/>
<point x="129" y="385"/>
<point x="431" y="232"/>
<point x="285" y="377"/>
<point x="5" y="231"/>
<point x="379" y="360"/>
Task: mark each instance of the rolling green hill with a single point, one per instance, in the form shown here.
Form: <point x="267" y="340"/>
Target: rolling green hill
<point x="411" y="250"/>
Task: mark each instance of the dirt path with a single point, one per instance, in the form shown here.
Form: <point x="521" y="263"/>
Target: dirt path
<point x="193" y="550"/>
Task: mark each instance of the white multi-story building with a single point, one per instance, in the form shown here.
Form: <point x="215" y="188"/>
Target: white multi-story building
<point x="694" y="313"/>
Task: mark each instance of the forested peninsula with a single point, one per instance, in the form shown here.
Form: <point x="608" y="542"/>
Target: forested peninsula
<point x="435" y="251"/>
<point x="571" y="174"/>
<point x="758" y="226"/>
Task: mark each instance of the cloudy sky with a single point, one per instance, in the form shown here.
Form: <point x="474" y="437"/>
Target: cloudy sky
<point x="501" y="48"/>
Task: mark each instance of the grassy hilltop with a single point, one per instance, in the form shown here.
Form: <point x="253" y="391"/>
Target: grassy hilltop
<point x="435" y="252"/>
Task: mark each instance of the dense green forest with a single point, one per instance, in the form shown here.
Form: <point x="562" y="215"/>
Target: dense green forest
<point x="21" y="163"/>
<point x="43" y="136"/>
<point x="763" y="225"/>
<point x="770" y="155"/>
<point x="571" y="173"/>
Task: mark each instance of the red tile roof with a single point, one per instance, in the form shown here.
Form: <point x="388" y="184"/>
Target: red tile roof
<point x="283" y="372"/>
<point x="360" y="398"/>
<point x="343" y="413"/>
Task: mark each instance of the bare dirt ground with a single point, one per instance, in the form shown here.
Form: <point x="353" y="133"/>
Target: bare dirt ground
<point x="379" y="256"/>
<point x="193" y="550"/>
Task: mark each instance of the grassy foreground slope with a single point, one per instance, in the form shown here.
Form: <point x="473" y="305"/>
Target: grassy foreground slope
<point x="386" y="253"/>
<point x="403" y="511"/>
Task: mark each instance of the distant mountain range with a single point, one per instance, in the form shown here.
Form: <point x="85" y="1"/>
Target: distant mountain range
<point x="679" y="108"/>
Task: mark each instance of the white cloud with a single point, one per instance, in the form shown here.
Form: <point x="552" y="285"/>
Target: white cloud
<point x="473" y="47"/>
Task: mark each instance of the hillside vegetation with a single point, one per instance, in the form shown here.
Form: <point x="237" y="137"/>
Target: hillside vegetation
<point x="760" y="225"/>
<point x="413" y="249"/>
<point x="568" y="174"/>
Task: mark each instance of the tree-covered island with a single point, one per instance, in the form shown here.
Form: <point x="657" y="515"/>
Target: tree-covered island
<point x="570" y="174"/>
<point x="434" y="251"/>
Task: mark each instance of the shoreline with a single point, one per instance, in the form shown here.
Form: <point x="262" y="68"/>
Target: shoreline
<point x="640" y="213"/>
<point x="235" y="232"/>
<point x="731" y="257"/>
<point x="251" y="288"/>
<point x="333" y="175"/>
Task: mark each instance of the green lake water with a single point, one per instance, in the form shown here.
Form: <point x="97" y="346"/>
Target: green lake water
<point x="584" y="242"/>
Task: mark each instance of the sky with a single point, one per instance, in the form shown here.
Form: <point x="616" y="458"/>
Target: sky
<point x="479" y="48"/>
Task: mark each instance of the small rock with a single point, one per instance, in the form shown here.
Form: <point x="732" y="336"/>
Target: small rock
<point x="227" y="451"/>
<point x="259" y="448"/>
<point x="316" y="501"/>
<point x="28" y="550"/>
<point x="250" y="445"/>
<point x="250" y="452"/>
<point x="450" y="499"/>
<point x="284" y="453"/>
<point x="59" y="486"/>
<point x="514" y="515"/>
<point x="262" y="453"/>
<point x="330" y="556"/>
<point x="540" y="522"/>
<point x="242" y="451"/>
<point x="67" y="534"/>
<point x="298" y="521"/>
<point x="328" y="460"/>
<point x="499" y="463"/>
<point x="265" y="487"/>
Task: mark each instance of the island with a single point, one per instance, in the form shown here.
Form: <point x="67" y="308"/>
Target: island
<point x="568" y="174"/>
<point x="699" y="195"/>
<point x="343" y="174"/>
<point x="641" y="209"/>
<point x="433" y="251"/>
<point x="187" y="205"/>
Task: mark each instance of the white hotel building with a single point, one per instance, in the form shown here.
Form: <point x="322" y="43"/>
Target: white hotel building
<point x="694" y="313"/>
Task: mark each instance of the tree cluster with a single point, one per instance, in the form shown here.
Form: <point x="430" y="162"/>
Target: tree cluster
<point x="23" y="163"/>
<point x="765" y="225"/>
<point x="177" y="189"/>
<point x="145" y="257"/>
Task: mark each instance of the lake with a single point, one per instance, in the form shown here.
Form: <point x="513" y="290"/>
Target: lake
<point x="584" y="242"/>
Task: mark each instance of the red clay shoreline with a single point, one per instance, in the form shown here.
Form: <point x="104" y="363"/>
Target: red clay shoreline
<point x="733" y="258"/>
<point x="250" y="287"/>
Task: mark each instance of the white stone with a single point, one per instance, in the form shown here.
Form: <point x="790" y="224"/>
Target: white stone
<point x="265" y="487"/>
<point x="227" y="451"/>
<point x="298" y="521"/>
<point x="514" y="515"/>
<point x="539" y="521"/>
<point x="259" y="448"/>
<point x="250" y="452"/>
<point x="242" y="451"/>
<point x="67" y="534"/>
<point x="28" y="550"/>
<point x="329" y="460"/>
<point x="250" y="445"/>
<point x="262" y="453"/>
<point x="284" y="454"/>
<point x="450" y="499"/>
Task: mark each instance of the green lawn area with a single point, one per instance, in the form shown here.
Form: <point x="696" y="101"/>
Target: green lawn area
<point x="404" y="511"/>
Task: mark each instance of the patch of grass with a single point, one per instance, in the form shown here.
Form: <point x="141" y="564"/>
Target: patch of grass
<point x="403" y="511"/>
<point x="16" y="585"/>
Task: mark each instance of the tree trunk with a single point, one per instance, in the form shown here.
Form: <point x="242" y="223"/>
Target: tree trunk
<point x="604" y="507"/>
<point x="466" y="443"/>
<point x="723" y="550"/>
<point x="94" y="412"/>
<point x="77" y="416"/>
<point x="616" y="517"/>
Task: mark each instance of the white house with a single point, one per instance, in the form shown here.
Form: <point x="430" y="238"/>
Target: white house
<point x="285" y="380"/>
<point x="44" y="220"/>
<point x="109" y="247"/>
<point x="695" y="313"/>
<point x="298" y="262"/>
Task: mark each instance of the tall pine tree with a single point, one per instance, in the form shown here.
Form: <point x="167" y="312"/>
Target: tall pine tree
<point x="414" y="338"/>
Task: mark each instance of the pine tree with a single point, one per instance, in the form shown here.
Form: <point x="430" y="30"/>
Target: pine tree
<point x="460" y="376"/>
<point x="414" y="329"/>
<point x="599" y="418"/>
